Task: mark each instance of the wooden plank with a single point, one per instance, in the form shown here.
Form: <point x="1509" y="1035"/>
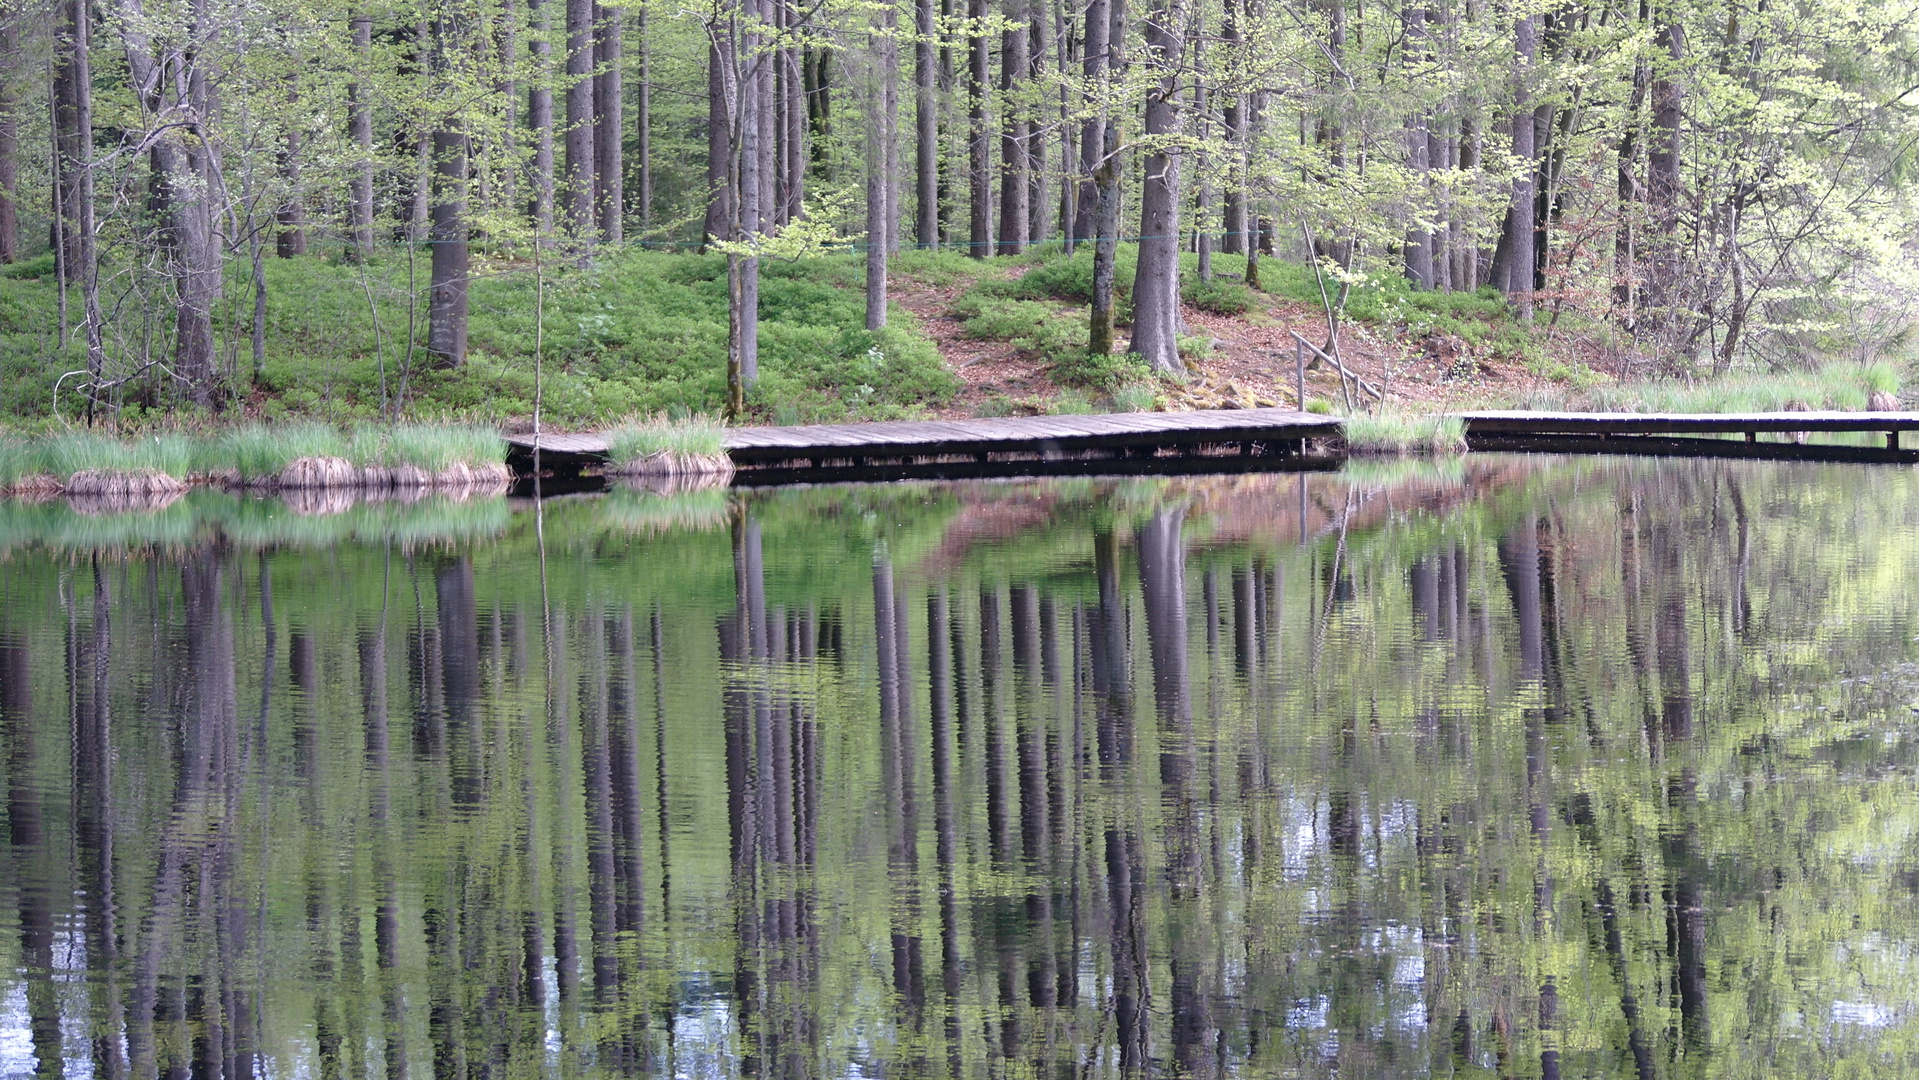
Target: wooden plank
<point x="1537" y="423"/>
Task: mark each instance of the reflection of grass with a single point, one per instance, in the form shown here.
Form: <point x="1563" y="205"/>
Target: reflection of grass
<point x="249" y="522"/>
<point x="641" y="511"/>
<point x="432" y="519"/>
<point x="1404" y="433"/>
<point x="57" y="525"/>
<point x="1381" y="471"/>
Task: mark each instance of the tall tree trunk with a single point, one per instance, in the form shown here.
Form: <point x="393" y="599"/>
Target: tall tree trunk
<point x="1519" y="258"/>
<point x="181" y="191"/>
<point x="1102" y="142"/>
<point x="1419" y="238"/>
<point x="446" y="304"/>
<point x="609" y="140"/>
<point x="881" y="149"/>
<point x="582" y="217"/>
<point x="1663" y="157"/>
<point x="719" y="137"/>
<point x="359" y="96"/>
<point x="978" y="150"/>
<point x="1039" y="43"/>
<point x="1233" y="116"/>
<point x="793" y="122"/>
<point x="1629" y="192"/>
<point x="743" y="73"/>
<point x="1092" y="139"/>
<point x="291" y="239"/>
<point x="1014" y="196"/>
<point x="9" y="143"/>
<point x="644" y="122"/>
<point x="74" y="225"/>
<point x="926" y="210"/>
<point x="1156" y="315"/>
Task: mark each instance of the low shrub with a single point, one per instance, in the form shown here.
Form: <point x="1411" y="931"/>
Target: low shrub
<point x="1219" y="296"/>
<point x="1082" y="367"/>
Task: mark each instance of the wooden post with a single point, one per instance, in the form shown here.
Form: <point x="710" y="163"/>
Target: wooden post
<point x="1299" y="372"/>
<point x="1892" y="440"/>
<point x="1752" y="436"/>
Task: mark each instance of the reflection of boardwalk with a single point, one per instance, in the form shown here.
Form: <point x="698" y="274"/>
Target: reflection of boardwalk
<point x="1254" y="432"/>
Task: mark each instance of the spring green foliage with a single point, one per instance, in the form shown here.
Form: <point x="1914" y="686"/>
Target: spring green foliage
<point x="640" y="332"/>
<point x="695" y="436"/>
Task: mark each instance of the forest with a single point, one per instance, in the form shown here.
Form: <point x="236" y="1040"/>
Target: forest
<point x="1695" y="186"/>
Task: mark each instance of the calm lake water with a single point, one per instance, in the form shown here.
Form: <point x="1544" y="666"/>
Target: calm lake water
<point x="1507" y="766"/>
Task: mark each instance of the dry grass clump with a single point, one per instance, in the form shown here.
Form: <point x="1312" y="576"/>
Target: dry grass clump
<point x="659" y="447"/>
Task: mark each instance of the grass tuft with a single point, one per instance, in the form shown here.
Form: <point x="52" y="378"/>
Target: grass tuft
<point x="694" y="437"/>
<point x="1404" y="433"/>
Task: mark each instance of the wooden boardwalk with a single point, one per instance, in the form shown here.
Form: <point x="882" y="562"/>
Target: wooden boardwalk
<point x="1182" y="441"/>
<point x="1607" y="425"/>
<point x="1247" y="432"/>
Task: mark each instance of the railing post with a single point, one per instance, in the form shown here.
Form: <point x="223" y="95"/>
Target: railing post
<point x="1299" y="371"/>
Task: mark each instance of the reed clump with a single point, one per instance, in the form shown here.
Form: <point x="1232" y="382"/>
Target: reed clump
<point x="321" y="457"/>
<point x="1404" y="433"/>
<point x="658" y="447"/>
<point x="1838" y="387"/>
<point x="308" y="456"/>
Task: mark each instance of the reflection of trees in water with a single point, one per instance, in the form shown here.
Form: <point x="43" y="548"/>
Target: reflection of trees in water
<point x="1507" y="797"/>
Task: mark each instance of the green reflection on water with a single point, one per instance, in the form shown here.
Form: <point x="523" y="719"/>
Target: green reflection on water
<point x="1518" y="767"/>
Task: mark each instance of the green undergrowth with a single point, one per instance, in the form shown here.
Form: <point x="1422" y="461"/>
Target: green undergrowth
<point x="638" y="333"/>
<point x="695" y="436"/>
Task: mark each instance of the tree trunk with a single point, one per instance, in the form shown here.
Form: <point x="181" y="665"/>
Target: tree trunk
<point x="1663" y="157"/>
<point x="743" y="76"/>
<point x="1103" y="144"/>
<point x="1629" y="193"/>
<point x="1419" y="238"/>
<point x="645" y="119"/>
<point x="1519" y="248"/>
<point x="181" y="193"/>
<point x="926" y="212"/>
<point x="539" y="117"/>
<point x="291" y="239"/>
<point x="581" y="163"/>
<point x="1092" y="139"/>
<point x="978" y="149"/>
<point x="1156" y="315"/>
<point x="1233" y="116"/>
<point x="1040" y="41"/>
<point x="881" y="148"/>
<point x="9" y="145"/>
<point x="446" y="306"/>
<point x="719" y="137"/>
<point x="1014" y="59"/>
<point x="359" y="96"/>
<point x="794" y="127"/>
<point x="609" y="140"/>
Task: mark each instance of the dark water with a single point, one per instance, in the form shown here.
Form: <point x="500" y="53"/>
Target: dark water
<point x="1521" y="767"/>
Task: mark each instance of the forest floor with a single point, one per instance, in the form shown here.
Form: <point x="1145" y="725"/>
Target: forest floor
<point x="1250" y="361"/>
<point x="1234" y="358"/>
<point x="643" y="334"/>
